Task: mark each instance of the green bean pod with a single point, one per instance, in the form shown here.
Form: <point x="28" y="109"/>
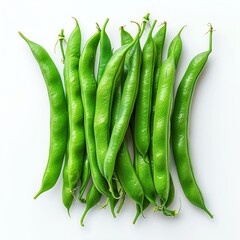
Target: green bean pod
<point x="139" y="211"/>
<point x="88" y="91"/>
<point x="144" y="97"/>
<point x="105" y="51"/>
<point x="76" y="144"/>
<point x="127" y="176"/>
<point x="86" y="174"/>
<point x="67" y="194"/>
<point x="58" y="115"/>
<point x="124" y="169"/>
<point x="143" y="170"/>
<point x="180" y="128"/>
<point x="127" y="103"/>
<point x="104" y="98"/>
<point x="161" y="129"/>
<point x="126" y="38"/>
<point x="126" y="173"/>
<point x="92" y="199"/>
<point x="159" y="40"/>
<point x="175" y="47"/>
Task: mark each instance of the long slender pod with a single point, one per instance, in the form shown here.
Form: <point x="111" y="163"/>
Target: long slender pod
<point x="175" y="47"/>
<point x="161" y="129"/>
<point x="105" y="51"/>
<point x="92" y="199"/>
<point x="67" y="195"/>
<point x="58" y="115"/>
<point x="86" y="174"/>
<point x="88" y="90"/>
<point x="127" y="102"/>
<point x="104" y="98"/>
<point x="124" y="168"/>
<point x="180" y="128"/>
<point x="76" y="144"/>
<point x="144" y="97"/>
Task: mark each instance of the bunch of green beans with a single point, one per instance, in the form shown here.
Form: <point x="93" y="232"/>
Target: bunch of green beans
<point x="91" y="112"/>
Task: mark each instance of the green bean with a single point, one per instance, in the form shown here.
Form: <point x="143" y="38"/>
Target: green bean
<point x="67" y="195"/>
<point x="93" y="197"/>
<point x="161" y="129"/>
<point x="58" y="115"/>
<point x="146" y="203"/>
<point x="127" y="38"/>
<point x="171" y="193"/>
<point x="175" y="47"/>
<point x="180" y="128"/>
<point x="126" y="106"/>
<point x="88" y="91"/>
<point x="104" y="98"/>
<point x="76" y="144"/>
<point x="86" y="174"/>
<point x="143" y="170"/>
<point x="105" y="51"/>
<point x="159" y="40"/>
<point x="144" y="97"/>
<point x="124" y="170"/>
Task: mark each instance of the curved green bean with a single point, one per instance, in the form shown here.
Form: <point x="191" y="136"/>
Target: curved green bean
<point x="58" y="115"/>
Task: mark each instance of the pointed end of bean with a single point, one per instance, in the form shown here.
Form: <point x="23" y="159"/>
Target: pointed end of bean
<point x="83" y="217"/>
<point x="208" y="212"/>
<point x="139" y="211"/>
<point x="76" y="21"/>
<point x="37" y="195"/>
<point x="105" y="25"/>
<point x="68" y="211"/>
<point x="136" y="218"/>
<point x="23" y="37"/>
<point x="179" y="33"/>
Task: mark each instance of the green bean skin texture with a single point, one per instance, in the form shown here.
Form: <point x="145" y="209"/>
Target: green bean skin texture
<point x="126" y="37"/>
<point x="88" y="91"/>
<point x="105" y="51"/>
<point x="171" y="193"/>
<point x="175" y="47"/>
<point x="180" y="128"/>
<point x="67" y="194"/>
<point x="92" y="199"/>
<point x="161" y="129"/>
<point x="159" y="40"/>
<point x="104" y="98"/>
<point x="127" y="103"/>
<point x="58" y="115"/>
<point x="143" y="170"/>
<point x="76" y="145"/>
<point x="128" y="177"/>
<point x="144" y="97"/>
<point x="86" y="174"/>
<point x="146" y="203"/>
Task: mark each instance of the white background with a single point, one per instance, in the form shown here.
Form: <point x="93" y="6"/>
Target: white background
<point x="24" y="120"/>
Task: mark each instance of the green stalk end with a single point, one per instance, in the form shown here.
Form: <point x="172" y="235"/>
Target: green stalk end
<point x="179" y="33"/>
<point x="105" y="24"/>
<point x="208" y="212"/>
<point x="152" y="27"/>
<point x="210" y="36"/>
<point x="76" y="21"/>
<point x="23" y="37"/>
